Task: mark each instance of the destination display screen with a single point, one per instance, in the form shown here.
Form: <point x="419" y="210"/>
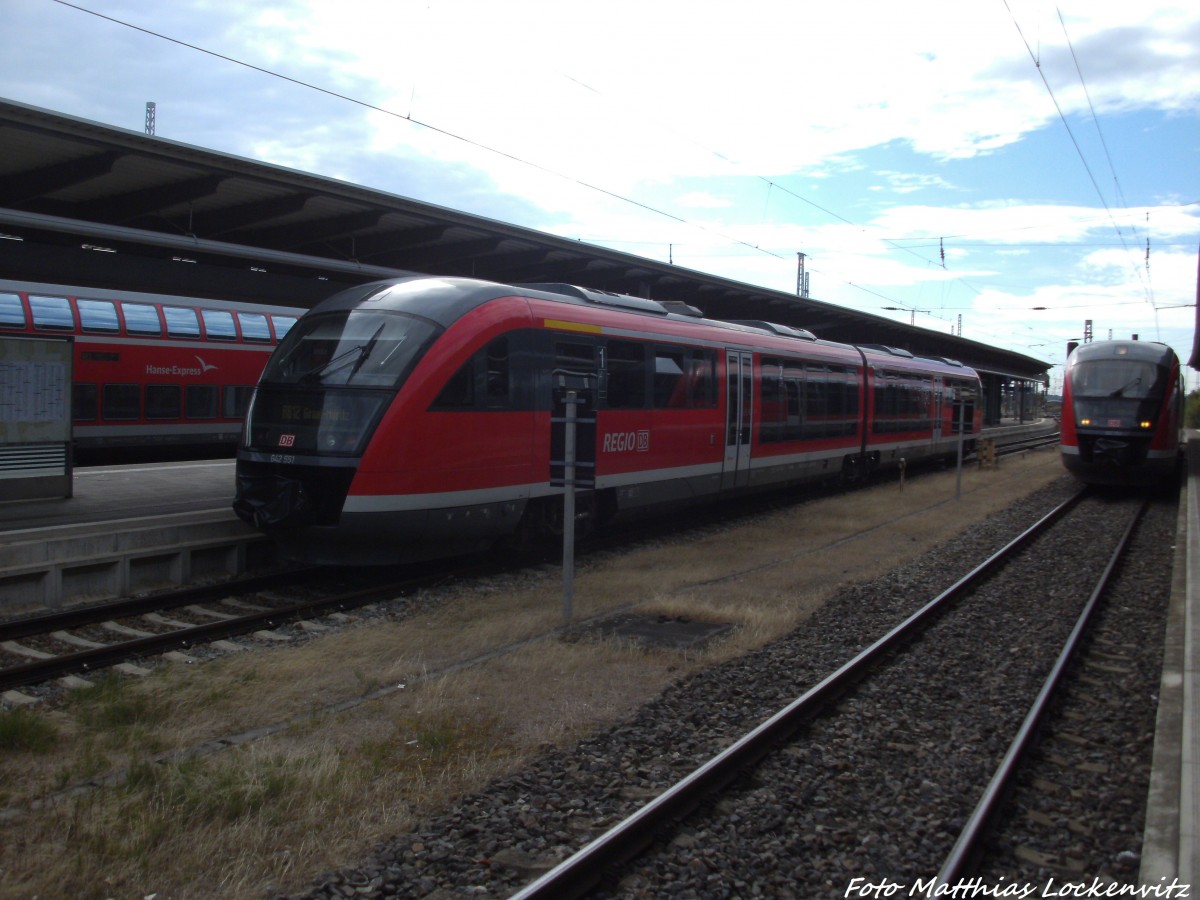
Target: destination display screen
<point x="316" y="421"/>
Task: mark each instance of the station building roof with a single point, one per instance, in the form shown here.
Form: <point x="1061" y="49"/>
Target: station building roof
<point x="103" y="207"/>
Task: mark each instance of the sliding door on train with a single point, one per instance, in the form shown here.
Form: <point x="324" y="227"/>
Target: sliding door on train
<point x="739" y="419"/>
<point x="939" y="411"/>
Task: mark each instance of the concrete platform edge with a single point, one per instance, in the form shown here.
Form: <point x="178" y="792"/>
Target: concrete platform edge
<point x="108" y="564"/>
<point x="1171" y="839"/>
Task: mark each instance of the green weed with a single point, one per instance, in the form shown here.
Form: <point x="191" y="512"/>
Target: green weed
<point x="23" y="729"/>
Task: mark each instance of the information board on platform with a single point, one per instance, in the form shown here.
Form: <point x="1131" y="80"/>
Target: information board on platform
<point x="35" y="417"/>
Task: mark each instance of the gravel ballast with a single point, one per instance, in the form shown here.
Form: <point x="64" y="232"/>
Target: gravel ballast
<point x="818" y="815"/>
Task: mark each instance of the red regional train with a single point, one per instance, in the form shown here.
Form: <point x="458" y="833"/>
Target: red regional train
<point x="1122" y="413"/>
<point x="151" y="370"/>
<point x="421" y="417"/>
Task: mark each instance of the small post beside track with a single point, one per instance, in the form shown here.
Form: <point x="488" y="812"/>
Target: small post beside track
<point x="572" y="400"/>
<point x="572" y="460"/>
<point x="960" y="398"/>
<point x="962" y="412"/>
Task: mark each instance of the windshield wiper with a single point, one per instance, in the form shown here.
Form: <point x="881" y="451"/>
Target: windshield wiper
<point x="366" y="351"/>
<point x="331" y="365"/>
<point x="1119" y="391"/>
<point x="344" y="359"/>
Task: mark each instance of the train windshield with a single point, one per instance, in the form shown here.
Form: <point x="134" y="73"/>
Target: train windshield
<point x="1112" y="379"/>
<point x="1117" y="394"/>
<point x="359" y="348"/>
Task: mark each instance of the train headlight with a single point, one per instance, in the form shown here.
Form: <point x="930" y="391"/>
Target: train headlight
<point x="1147" y="424"/>
<point x="1085" y="421"/>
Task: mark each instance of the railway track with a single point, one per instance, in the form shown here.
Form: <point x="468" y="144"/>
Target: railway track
<point x="970" y="846"/>
<point x="37" y="649"/>
<point x="81" y="640"/>
<point x="1028" y="443"/>
<point x="516" y="828"/>
<point x="664" y="822"/>
<point x="1074" y="785"/>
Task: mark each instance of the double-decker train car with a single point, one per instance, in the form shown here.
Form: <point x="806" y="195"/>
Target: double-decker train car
<point x="1122" y="413"/>
<point x="151" y="370"/>
<point x="419" y="417"/>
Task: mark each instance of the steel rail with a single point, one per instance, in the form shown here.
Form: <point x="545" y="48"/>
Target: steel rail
<point x="44" y="623"/>
<point x="1029" y="443"/>
<point x="101" y="657"/>
<point x="579" y="873"/>
<point x="966" y="848"/>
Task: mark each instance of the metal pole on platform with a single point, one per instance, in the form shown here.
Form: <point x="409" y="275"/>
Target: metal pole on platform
<point x="569" y="506"/>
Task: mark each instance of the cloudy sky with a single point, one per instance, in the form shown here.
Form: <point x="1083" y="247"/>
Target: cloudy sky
<point x="1010" y="167"/>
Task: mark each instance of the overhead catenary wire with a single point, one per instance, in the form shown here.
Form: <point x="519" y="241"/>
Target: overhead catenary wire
<point x="755" y="246"/>
<point x="1067" y="125"/>
<point x="481" y="146"/>
<point x="1108" y="156"/>
<point x="408" y="118"/>
<point x="504" y="154"/>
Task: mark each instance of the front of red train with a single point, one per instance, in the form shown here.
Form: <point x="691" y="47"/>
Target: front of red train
<point x="322" y="396"/>
<point x="1120" y="419"/>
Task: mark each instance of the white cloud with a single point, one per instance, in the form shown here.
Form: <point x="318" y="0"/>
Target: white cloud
<point x="724" y="137"/>
<point x="703" y="200"/>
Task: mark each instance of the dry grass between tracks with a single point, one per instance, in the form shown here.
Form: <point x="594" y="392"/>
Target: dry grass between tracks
<point x="273" y="813"/>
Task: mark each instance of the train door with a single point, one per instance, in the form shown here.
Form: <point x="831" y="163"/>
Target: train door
<point x="739" y="417"/>
<point x="939" y="410"/>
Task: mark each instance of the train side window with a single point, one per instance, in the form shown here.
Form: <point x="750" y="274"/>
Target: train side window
<point x="202" y="401"/>
<point x="459" y="391"/>
<point x="850" y="384"/>
<point x="141" y="318"/>
<point x="496" y="374"/>
<point x="574" y="359"/>
<point x="902" y="403"/>
<point x="702" y="379"/>
<point x="163" y="401"/>
<point x="234" y="400"/>
<point x="627" y="371"/>
<point x="98" y="316"/>
<point x="781" y="410"/>
<point x="254" y="327"/>
<point x="772" y="405"/>
<point x="283" y="324"/>
<point x="218" y="325"/>
<point x="491" y="364"/>
<point x="670" y="384"/>
<point x="816" y="392"/>
<point x="52" y="313"/>
<point x="122" y="401"/>
<point x="85" y="401"/>
<point x="12" y="311"/>
<point x="181" y="322"/>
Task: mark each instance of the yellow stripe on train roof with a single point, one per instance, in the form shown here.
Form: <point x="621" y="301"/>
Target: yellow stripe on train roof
<point x="562" y="325"/>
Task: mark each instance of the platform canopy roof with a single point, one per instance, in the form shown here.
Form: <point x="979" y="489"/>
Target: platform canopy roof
<point x="88" y="204"/>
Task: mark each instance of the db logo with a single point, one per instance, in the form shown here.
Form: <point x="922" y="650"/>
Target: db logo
<point x="626" y="441"/>
<point x="287" y="440"/>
